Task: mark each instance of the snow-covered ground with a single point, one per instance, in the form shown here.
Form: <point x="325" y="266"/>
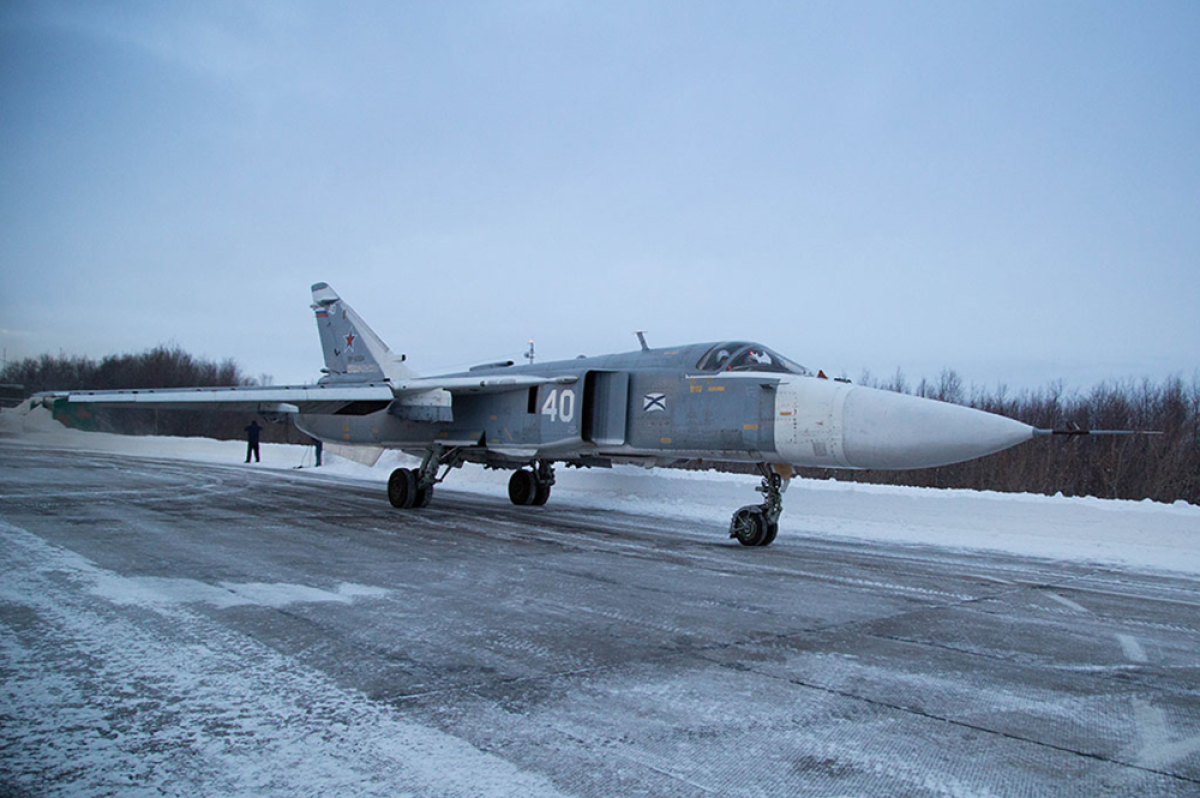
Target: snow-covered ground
<point x="1142" y="535"/>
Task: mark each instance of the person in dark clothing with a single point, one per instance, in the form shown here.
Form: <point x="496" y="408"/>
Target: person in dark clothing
<point x="252" y="433"/>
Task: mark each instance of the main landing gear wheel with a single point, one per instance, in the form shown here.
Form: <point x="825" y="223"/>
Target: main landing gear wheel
<point x="522" y="487"/>
<point x="410" y="488"/>
<point x="531" y="486"/>
<point x="758" y="524"/>
<point x="402" y="489"/>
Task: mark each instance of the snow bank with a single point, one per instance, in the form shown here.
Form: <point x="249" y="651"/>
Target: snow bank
<point x="1142" y="535"/>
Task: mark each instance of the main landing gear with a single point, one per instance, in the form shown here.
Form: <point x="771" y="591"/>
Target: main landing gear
<point x="413" y="487"/>
<point x="758" y="524"/>
<point x="409" y="488"/>
<point x="531" y="486"/>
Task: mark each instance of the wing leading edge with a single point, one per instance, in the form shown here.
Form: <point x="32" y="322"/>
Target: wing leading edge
<point x="318" y="398"/>
<point x="315" y="398"/>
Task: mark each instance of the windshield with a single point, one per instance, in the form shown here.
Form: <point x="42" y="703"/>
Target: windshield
<point x="746" y="356"/>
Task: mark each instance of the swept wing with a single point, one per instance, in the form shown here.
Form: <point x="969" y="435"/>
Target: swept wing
<point x="318" y="398"/>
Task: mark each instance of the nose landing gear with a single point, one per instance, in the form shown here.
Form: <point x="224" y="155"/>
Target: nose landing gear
<point x="758" y="524"/>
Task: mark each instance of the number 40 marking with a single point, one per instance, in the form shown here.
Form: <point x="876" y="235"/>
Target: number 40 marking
<point x="560" y="406"/>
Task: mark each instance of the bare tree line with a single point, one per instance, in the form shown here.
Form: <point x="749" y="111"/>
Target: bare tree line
<point x="1163" y="467"/>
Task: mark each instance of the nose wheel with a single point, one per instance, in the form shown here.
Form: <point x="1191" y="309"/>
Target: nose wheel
<point x="758" y="524"/>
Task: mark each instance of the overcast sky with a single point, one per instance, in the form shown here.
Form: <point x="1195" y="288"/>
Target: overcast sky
<point x="1008" y="189"/>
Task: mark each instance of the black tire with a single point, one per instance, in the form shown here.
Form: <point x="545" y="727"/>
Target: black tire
<point x="424" y="497"/>
<point x="769" y="538"/>
<point x="522" y="488"/>
<point x="402" y="488"/>
<point x="541" y="495"/>
<point x="749" y="526"/>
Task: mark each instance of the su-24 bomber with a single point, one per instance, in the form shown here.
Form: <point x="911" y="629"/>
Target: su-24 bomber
<point x="726" y="402"/>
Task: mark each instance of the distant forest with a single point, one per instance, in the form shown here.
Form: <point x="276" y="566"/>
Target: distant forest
<point x="1163" y="467"/>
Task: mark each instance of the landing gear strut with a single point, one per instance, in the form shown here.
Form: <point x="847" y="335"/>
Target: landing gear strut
<point x="531" y="486"/>
<point x="758" y="524"/>
<point x="413" y="487"/>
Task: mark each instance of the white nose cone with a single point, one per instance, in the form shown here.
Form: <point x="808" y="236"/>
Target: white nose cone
<point x="887" y="430"/>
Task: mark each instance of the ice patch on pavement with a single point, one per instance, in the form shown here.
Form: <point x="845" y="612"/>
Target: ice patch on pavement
<point x="1159" y="747"/>
<point x="1066" y="602"/>
<point x="154" y="590"/>
<point x="1131" y="648"/>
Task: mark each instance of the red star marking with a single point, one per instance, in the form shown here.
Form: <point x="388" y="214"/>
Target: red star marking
<point x="350" y="340"/>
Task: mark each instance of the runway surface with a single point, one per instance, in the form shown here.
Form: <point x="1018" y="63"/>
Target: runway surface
<point x="181" y="628"/>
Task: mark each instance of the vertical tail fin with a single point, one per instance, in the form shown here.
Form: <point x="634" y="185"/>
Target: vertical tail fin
<point x="353" y="352"/>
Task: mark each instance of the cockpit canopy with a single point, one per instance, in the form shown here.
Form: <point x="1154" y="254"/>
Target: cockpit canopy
<point x="747" y="356"/>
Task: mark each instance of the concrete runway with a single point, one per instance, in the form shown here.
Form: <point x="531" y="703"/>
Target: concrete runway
<point x="181" y="628"/>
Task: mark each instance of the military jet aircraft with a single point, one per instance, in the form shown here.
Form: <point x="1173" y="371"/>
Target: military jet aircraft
<point x="723" y="402"/>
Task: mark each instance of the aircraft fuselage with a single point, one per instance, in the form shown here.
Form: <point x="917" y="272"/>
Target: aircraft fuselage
<point x="656" y="407"/>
